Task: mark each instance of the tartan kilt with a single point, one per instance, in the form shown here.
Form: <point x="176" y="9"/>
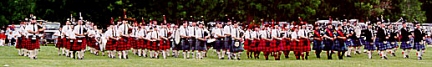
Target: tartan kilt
<point x="393" y="44"/>
<point x="67" y="44"/>
<point x="273" y="45"/>
<point x="356" y="43"/>
<point x="130" y="43"/>
<point x="317" y="45"/>
<point x="110" y="45"/>
<point x="59" y="43"/>
<point x="134" y="43"/>
<point x="33" y="44"/>
<point x="306" y="46"/>
<point x="299" y="46"/>
<point x="281" y="46"/>
<point x="164" y="44"/>
<point x="121" y="44"/>
<point x="381" y="46"/>
<point x="140" y="43"/>
<point x="328" y="45"/>
<point x="254" y="45"/>
<point x="418" y="46"/>
<point x="19" y="43"/>
<point x="83" y="46"/>
<point x="405" y="45"/>
<point x="246" y="44"/>
<point x="26" y="43"/>
<point x="288" y="44"/>
<point x="369" y="45"/>
<point x="92" y="41"/>
<point x="339" y="45"/>
<point x="349" y="42"/>
<point x="154" y="45"/>
<point x="262" y="45"/>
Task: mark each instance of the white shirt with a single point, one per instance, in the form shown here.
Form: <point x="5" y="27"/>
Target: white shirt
<point x="293" y="35"/>
<point x="163" y="32"/>
<point x="263" y="34"/>
<point x="135" y="32"/>
<point x="31" y="27"/>
<point x="108" y="33"/>
<point x="183" y="31"/>
<point x="191" y="30"/>
<point x="79" y="29"/>
<point x="275" y="33"/>
<point x="141" y="32"/>
<point x="254" y="34"/>
<point x="235" y="32"/>
<point x="218" y="31"/>
<point x="123" y="28"/>
<point x="248" y="34"/>
<point x="91" y="32"/>
<point x="57" y="32"/>
<point x="227" y="29"/>
<point x="199" y="33"/>
<point x="301" y="33"/>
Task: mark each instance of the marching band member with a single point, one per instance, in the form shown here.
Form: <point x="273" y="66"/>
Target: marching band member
<point x="101" y="41"/>
<point x="382" y="43"/>
<point x="228" y="39"/>
<point x="418" y="41"/>
<point x="142" y="42"/>
<point x="164" y="40"/>
<point x="329" y="38"/>
<point x="201" y="41"/>
<point x="154" y="38"/>
<point x="317" y="41"/>
<point x="58" y="41"/>
<point x="276" y="41"/>
<point x="92" y="41"/>
<point x="339" y="43"/>
<point x="236" y="47"/>
<point x="256" y="42"/>
<point x="66" y="43"/>
<point x="176" y="36"/>
<point x="112" y="36"/>
<point x="304" y="43"/>
<point x="248" y="41"/>
<point x="192" y="39"/>
<point x="218" y="33"/>
<point x="289" y="42"/>
<point x="264" y="42"/>
<point x="122" y="44"/>
<point x="184" y="33"/>
<point x="134" y="38"/>
<point x="79" y="46"/>
<point x="405" y="44"/>
<point x="33" y="30"/>
<point x="368" y="37"/>
<point x="393" y="36"/>
<point x="20" y="36"/>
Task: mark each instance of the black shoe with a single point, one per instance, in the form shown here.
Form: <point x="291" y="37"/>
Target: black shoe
<point x="329" y="58"/>
<point x="286" y="56"/>
<point x="407" y="56"/>
<point x="393" y="54"/>
<point x="237" y="58"/>
<point x="357" y="52"/>
<point x="306" y="58"/>
<point x="420" y="58"/>
<point x="385" y="57"/>
<point x="348" y="55"/>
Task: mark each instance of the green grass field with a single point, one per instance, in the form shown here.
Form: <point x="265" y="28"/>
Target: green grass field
<point x="48" y="58"/>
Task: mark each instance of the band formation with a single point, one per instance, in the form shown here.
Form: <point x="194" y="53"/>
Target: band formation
<point x="229" y="39"/>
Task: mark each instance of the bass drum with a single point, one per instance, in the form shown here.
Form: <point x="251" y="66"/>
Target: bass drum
<point x="177" y="37"/>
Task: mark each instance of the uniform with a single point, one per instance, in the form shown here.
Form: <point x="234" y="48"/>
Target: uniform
<point x="339" y="44"/>
<point x="80" y="41"/>
<point x="248" y="42"/>
<point x="164" y="44"/>
<point x="20" y="42"/>
<point x="33" y="39"/>
<point x="317" y="43"/>
<point x="418" y="42"/>
<point x="200" y="45"/>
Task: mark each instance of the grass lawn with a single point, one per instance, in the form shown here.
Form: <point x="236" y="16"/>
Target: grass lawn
<point x="48" y="58"/>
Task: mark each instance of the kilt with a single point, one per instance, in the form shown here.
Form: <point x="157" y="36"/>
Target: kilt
<point x="369" y="46"/>
<point x="261" y="45"/>
<point x="154" y="45"/>
<point x="19" y="43"/>
<point x="77" y="46"/>
<point x="192" y="44"/>
<point x="134" y="42"/>
<point x="418" y="46"/>
<point x="273" y="45"/>
<point x="24" y="42"/>
<point x="228" y="43"/>
<point x="254" y="45"/>
<point x="393" y="44"/>
<point x="164" y="44"/>
<point x="147" y="44"/>
<point x="176" y="46"/>
<point x="218" y="44"/>
<point x="328" y="45"/>
<point x="381" y="46"/>
<point x="92" y="43"/>
<point x="287" y="46"/>
<point x="306" y="46"/>
<point x="140" y="44"/>
<point x="299" y="46"/>
<point x="247" y="44"/>
<point x="111" y="44"/>
<point x="405" y="45"/>
<point x="362" y="41"/>
<point x="67" y="43"/>
<point x="131" y="42"/>
<point x="356" y="43"/>
<point x="33" y="44"/>
<point x="59" y="43"/>
<point x="121" y="44"/>
<point x="317" y="45"/>
<point x="281" y="45"/>
<point x="340" y="46"/>
<point x="237" y="49"/>
<point x="84" y="45"/>
<point x="349" y="42"/>
<point x="200" y="45"/>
